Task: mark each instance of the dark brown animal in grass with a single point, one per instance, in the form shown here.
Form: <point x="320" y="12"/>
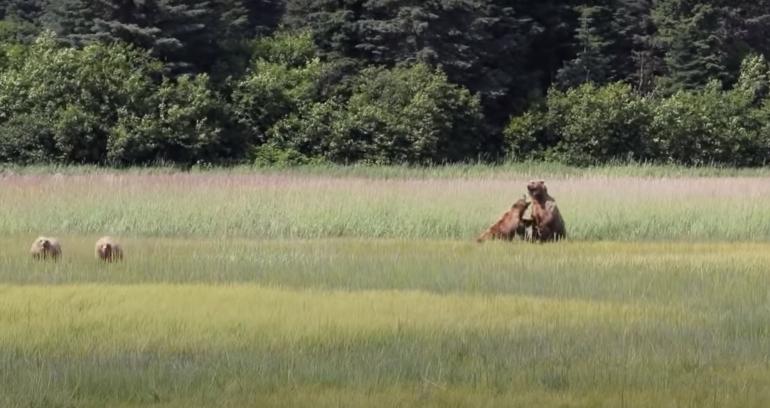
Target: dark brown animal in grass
<point x="46" y="248"/>
<point x="108" y="250"/>
<point x="509" y="225"/>
<point x="548" y="225"/>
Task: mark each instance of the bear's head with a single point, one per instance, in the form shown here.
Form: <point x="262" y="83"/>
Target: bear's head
<point x="520" y="205"/>
<point x="537" y="189"/>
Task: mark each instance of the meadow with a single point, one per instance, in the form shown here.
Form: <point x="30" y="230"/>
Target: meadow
<point x="364" y="287"/>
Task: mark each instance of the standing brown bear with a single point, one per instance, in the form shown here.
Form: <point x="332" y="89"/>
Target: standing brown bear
<point x="108" y="250"/>
<point x="546" y="219"/>
<point x="44" y="248"/>
<point x="509" y="225"/>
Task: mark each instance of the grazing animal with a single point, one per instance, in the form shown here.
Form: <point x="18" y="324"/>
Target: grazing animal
<point x="108" y="250"/>
<point x="45" y="248"/>
<point x="548" y="225"/>
<point x="509" y="225"/>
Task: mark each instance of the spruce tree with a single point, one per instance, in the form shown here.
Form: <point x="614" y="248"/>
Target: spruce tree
<point x="694" y="41"/>
<point x="636" y="58"/>
<point x="187" y="35"/>
<point x="73" y="20"/>
<point x="592" y="63"/>
<point x="23" y="18"/>
<point x="30" y="11"/>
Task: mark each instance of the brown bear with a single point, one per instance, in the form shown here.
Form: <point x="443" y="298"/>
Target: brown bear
<point x="509" y="225"/>
<point x="45" y="248"/>
<point x="548" y="225"/>
<point x="108" y="250"/>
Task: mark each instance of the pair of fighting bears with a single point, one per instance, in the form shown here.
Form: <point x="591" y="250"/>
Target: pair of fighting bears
<point x="545" y="223"/>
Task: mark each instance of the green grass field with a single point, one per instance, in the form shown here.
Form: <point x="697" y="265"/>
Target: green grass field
<point x="364" y="287"/>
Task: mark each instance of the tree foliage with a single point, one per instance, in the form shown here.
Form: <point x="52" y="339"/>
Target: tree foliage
<point x="408" y="114"/>
<point x="591" y="124"/>
<point x="295" y="81"/>
<point x="592" y="62"/>
<point x="85" y="105"/>
<point x="586" y="125"/>
<point x="480" y="44"/>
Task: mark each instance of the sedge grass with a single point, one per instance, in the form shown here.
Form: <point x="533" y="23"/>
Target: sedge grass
<point x="362" y="287"/>
<point x="269" y="206"/>
<point x="347" y="322"/>
<point x="449" y="171"/>
<point x="604" y="271"/>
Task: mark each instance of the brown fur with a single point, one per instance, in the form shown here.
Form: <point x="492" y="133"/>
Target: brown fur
<point x="509" y="225"/>
<point x="108" y="250"/>
<point x="45" y="248"/>
<point x="546" y="218"/>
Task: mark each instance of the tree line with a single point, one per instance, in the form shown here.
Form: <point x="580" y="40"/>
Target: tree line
<point x="126" y="82"/>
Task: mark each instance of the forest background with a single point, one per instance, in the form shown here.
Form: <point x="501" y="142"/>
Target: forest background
<point x="124" y="82"/>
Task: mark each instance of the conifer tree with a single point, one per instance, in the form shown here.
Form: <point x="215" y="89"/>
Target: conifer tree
<point x="592" y="63"/>
<point x="188" y="35"/>
<point x="692" y="35"/>
<point x="636" y="58"/>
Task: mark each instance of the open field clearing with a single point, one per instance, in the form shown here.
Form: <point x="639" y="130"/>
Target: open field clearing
<point x="307" y="289"/>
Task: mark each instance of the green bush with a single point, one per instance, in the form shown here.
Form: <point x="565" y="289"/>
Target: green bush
<point x="709" y="126"/>
<point x="407" y="114"/>
<point x="26" y="139"/>
<point x="584" y="125"/>
<point x="281" y="79"/>
<point x="318" y="130"/>
<point x="73" y="93"/>
<point x="290" y="49"/>
<point x="173" y="125"/>
<point x="112" y="104"/>
<point x="527" y="136"/>
<point x="101" y="103"/>
<point x="269" y="155"/>
<point x="600" y="124"/>
<point x="593" y="125"/>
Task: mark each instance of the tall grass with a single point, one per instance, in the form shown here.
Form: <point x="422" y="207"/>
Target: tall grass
<point x="363" y="287"/>
<point x="449" y="171"/>
<point x="311" y="206"/>
<point x="384" y="323"/>
<point x="590" y="271"/>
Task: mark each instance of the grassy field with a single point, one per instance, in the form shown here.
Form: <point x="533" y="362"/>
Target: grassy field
<point x="297" y="205"/>
<point x="349" y="287"/>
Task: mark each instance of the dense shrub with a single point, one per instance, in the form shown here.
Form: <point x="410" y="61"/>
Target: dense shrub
<point x="270" y="155"/>
<point x="26" y="139"/>
<point x="582" y="125"/>
<point x="591" y="124"/>
<point x="113" y="104"/>
<point x="318" y="130"/>
<point x="407" y="114"/>
<point x="100" y="103"/>
<point x="526" y="136"/>
<point x="282" y="77"/>
<point x="172" y="125"/>
<point x="71" y="94"/>
<point x="600" y="124"/>
<point x="702" y="127"/>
